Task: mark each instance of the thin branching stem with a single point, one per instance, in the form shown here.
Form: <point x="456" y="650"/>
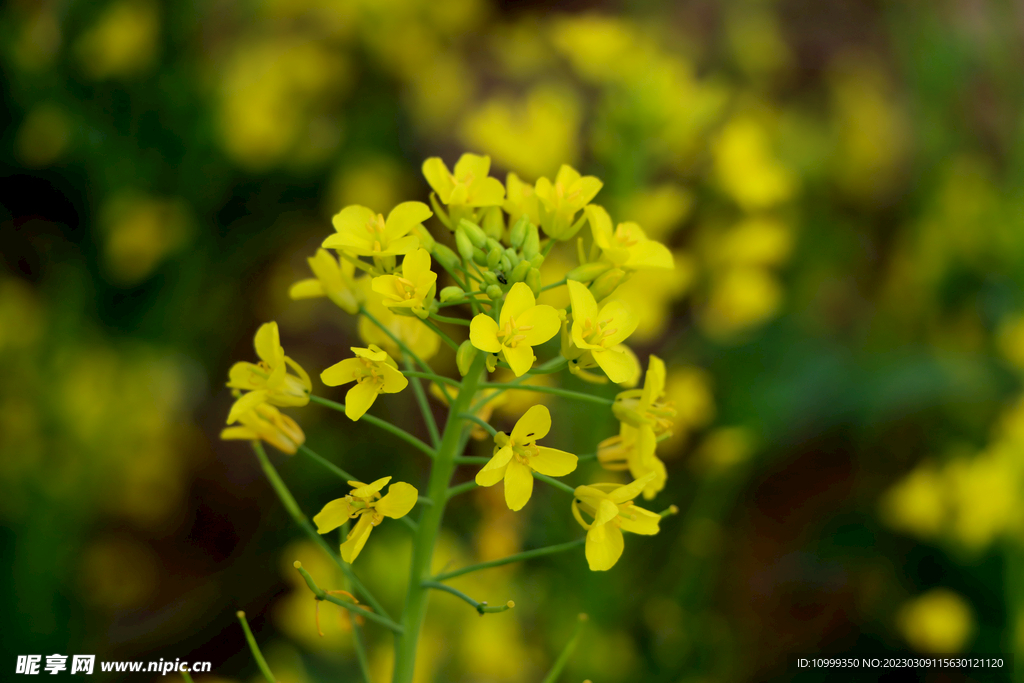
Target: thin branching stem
<point x="481" y="607"/>
<point x="377" y="422"/>
<point x="518" y="557"/>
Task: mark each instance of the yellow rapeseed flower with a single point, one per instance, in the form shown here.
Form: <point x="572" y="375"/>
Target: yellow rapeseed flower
<point x="361" y="232"/>
<point x="373" y="371"/>
<point x="267" y="423"/>
<point x="413" y="288"/>
<point x="521" y="325"/>
<point x="939" y="621"/>
<point x="269" y="380"/>
<point x="521" y="200"/>
<point x="469" y="185"/>
<point x="634" y="449"/>
<point x="365" y="503"/>
<point x="562" y="200"/>
<point x="332" y="279"/>
<point x="612" y="509"/>
<point x="600" y="332"/>
<point x="517" y="456"/>
<point x="419" y="338"/>
<point x="647" y="407"/>
<point x="627" y="246"/>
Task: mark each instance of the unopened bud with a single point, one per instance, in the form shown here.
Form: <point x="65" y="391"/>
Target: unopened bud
<point x="490" y="278"/>
<point x="448" y="259"/>
<point x="464" y="244"/>
<point x="492" y="244"/>
<point x="587" y="272"/>
<point x="533" y="280"/>
<point x="519" y="272"/>
<point x="607" y="283"/>
<point x="479" y="257"/>
<point x="537" y="261"/>
<point x="452" y="293"/>
<point x="506" y="264"/>
<point x="475" y="233"/>
<point x="531" y="245"/>
<point x="426" y="239"/>
<point x="464" y="357"/>
<point x="494" y="291"/>
<point x="493" y="257"/>
<point x="518" y="232"/>
<point x="493" y="222"/>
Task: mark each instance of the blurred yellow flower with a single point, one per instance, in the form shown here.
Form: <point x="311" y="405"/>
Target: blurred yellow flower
<point x="740" y="298"/>
<point x="413" y="288"/>
<point x="139" y="232"/>
<point x="521" y="325"/>
<point x="634" y="449"/>
<point x="332" y="279"/>
<point x="626" y="246"/>
<point x="612" y="511"/>
<point x="469" y="185"/>
<point x="917" y="503"/>
<point x="43" y="136"/>
<point x="561" y="200"/>
<point x="267" y="423"/>
<point x="745" y="168"/>
<point x="938" y="622"/>
<point x="600" y="332"/>
<point x="659" y="209"/>
<point x="521" y="200"/>
<point x="756" y="241"/>
<point x="269" y="381"/>
<point x="123" y="42"/>
<point x="365" y="504"/>
<point x="361" y="232"/>
<point x="373" y="371"/>
<point x="517" y="456"/>
<point x="647" y="407"/>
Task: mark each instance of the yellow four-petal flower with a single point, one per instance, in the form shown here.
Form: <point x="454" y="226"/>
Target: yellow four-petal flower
<point x="269" y="380"/>
<point x="521" y="325"/>
<point x="267" y="423"/>
<point x="361" y="232"/>
<point x="612" y="509"/>
<point x="469" y="185"/>
<point x="365" y="503"/>
<point x="373" y="371"/>
<point x="600" y="332"/>
<point x="332" y="279"/>
<point x="561" y="201"/>
<point x="412" y="288"/>
<point x="626" y="246"/>
<point x="517" y="457"/>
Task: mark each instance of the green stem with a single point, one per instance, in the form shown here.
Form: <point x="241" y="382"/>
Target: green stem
<point x="444" y="337"/>
<point x="461" y="488"/>
<point x="321" y="594"/>
<point x="472" y="459"/>
<point x="481" y="607"/>
<point x="483" y="423"/>
<point x="551" y="481"/>
<point x="327" y="464"/>
<point x="440" y="379"/>
<point x="257" y="655"/>
<point x="518" y="557"/>
<point x="188" y="678"/>
<point x="554" y="391"/>
<point x="485" y="300"/>
<point x="360" y="648"/>
<point x="553" y="285"/>
<point x="403" y="346"/>
<point x="416" y="597"/>
<point x="450" y="321"/>
<point x="377" y="422"/>
<point x="288" y="501"/>
<point x="563" y="658"/>
<point x="421" y="399"/>
<point x="588" y="456"/>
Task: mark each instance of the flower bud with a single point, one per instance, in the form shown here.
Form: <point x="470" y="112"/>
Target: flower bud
<point x="518" y="232"/>
<point x="604" y="285"/>
<point x="476" y="235"/>
<point x="490" y="277"/>
<point x="452" y="293"/>
<point x="513" y="256"/>
<point x="506" y="264"/>
<point x="464" y="244"/>
<point x="464" y="357"/>
<point x="533" y="280"/>
<point x="493" y="222"/>
<point x="448" y="259"/>
<point x="537" y="261"/>
<point x="493" y="257"/>
<point x="492" y="244"/>
<point x="427" y="240"/>
<point x="494" y="291"/>
<point x="519" y="272"/>
<point x="587" y="271"/>
<point x="531" y="245"/>
<point x="479" y="257"/>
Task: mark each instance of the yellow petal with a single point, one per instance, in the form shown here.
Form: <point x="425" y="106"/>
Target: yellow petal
<point x="584" y="307"/>
<point x="489" y="192"/>
<point x="604" y="547"/>
<point x="654" y="382"/>
<point x="402" y="245"/>
<point x="631" y="490"/>
<point x="361" y="490"/>
<point x="483" y="333"/>
<point x="606" y="511"/>
<point x="404" y="218"/>
<point x="518" y="300"/>
<point x="306" y="289"/>
<point x="519" y="358"/>
<point x="359" y="399"/>
<point x="241" y="433"/>
<point x="623" y="320"/>
<point x="533" y="425"/>
<point x="388" y="286"/>
<point x="372" y="352"/>
<point x="268" y="344"/>
<point x="333" y="515"/>
<point x="650" y="254"/>
<point x="600" y="226"/>
<point x="343" y="372"/>
<point x="350" y="224"/>
<point x="567" y="175"/>
<point x="416" y="265"/>
<point x="351" y="548"/>
<point x="246" y="376"/>
<point x="246" y="403"/>
<point x="518" y="485"/>
<point x="437" y="175"/>
<point x="618" y="365"/>
<point x="588" y="189"/>
<point x="394" y="381"/>
<point x="545" y="323"/>
<point x="400" y="499"/>
<point x="472" y="165"/>
<point x="494" y="470"/>
<point x="643" y="521"/>
<point x="553" y="462"/>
